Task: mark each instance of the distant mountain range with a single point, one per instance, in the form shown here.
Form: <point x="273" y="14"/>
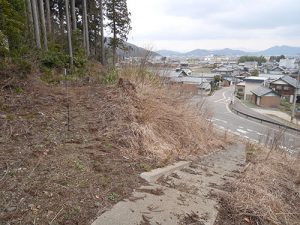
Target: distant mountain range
<point x="273" y="51"/>
<point x="135" y="51"/>
<point x="131" y="50"/>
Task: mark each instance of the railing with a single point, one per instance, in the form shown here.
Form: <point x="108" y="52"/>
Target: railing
<point x="280" y="125"/>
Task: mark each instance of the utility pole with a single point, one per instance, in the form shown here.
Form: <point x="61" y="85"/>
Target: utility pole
<point x="295" y="98"/>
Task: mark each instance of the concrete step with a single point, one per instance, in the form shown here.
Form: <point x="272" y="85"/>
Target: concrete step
<point x="179" y="193"/>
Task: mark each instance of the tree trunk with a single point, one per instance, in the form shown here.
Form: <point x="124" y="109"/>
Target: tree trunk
<point x="61" y="20"/>
<point x="101" y="33"/>
<point x="36" y="24"/>
<point x="49" y="25"/>
<point x="42" y="16"/>
<point x="30" y="20"/>
<point x="74" y="20"/>
<point x="114" y="44"/>
<point x="69" y="33"/>
<point x="85" y="29"/>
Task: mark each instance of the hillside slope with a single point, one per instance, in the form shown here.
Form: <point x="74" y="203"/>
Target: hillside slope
<point x="52" y="175"/>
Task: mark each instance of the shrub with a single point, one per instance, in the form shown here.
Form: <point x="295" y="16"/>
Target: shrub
<point x="54" y="58"/>
<point x="110" y="77"/>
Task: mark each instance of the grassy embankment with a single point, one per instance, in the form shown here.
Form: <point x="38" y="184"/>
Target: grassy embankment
<point x="118" y="128"/>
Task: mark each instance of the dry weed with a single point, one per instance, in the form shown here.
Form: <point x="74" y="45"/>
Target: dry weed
<point x="267" y="192"/>
<point x="166" y="127"/>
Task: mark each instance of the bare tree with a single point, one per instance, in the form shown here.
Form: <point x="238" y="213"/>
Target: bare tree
<point x="73" y="14"/>
<point x="36" y="24"/>
<point x="69" y="33"/>
<point x="42" y="17"/>
<point x="85" y="29"/>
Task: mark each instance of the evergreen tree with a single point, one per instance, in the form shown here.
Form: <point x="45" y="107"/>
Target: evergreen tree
<point x="48" y="16"/>
<point x="73" y="14"/>
<point x="69" y="33"/>
<point x="118" y="22"/>
<point x="12" y="25"/>
<point x="43" y="23"/>
<point x="86" y="40"/>
<point x="101" y="33"/>
<point x="36" y="24"/>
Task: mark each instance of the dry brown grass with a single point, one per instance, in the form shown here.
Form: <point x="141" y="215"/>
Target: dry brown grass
<point x="116" y="132"/>
<point x="166" y="126"/>
<point x="267" y="192"/>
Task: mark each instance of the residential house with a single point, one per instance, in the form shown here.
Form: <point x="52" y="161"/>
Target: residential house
<point x="285" y="86"/>
<point x="185" y="73"/>
<point x="270" y="78"/>
<point x="242" y="75"/>
<point x="265" y="97"/>
<point x="204" y="88"/>
<point x="227" y="81"/>
<point x="195" y="85"/>
<point x="268" y="66"/>
<point x="288" y="63"/>
<point x="277" y="70"/>
<point x="223" y="71"/>
<point x="250" y="65"/>
<point x="252" y="83"/>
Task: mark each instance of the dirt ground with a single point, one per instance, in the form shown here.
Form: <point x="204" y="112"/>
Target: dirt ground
<point x="55" y="173"/>
<point x="51" y="175"/>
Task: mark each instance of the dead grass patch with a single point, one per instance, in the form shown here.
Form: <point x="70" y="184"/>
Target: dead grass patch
<point x="48" y="173"/>
<point x="267" y="192"/>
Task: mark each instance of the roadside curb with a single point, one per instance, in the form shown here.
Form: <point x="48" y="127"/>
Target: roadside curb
<point x="155" y="174"/>
<point x="234" y="110"/>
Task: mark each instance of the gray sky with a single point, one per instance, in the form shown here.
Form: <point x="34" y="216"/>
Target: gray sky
<point x="185" y="25"/>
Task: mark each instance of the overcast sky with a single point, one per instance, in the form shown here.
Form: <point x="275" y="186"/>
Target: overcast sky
<point x="185" y="25"/>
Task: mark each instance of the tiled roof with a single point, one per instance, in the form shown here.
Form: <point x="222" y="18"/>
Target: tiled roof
<point x="291" y="81"/>
<point x="262" y="90"/>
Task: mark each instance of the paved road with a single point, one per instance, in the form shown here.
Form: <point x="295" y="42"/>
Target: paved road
<point x="248" y="129"/>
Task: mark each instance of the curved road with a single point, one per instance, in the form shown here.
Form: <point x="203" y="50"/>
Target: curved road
<point x="224" y="119"/>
